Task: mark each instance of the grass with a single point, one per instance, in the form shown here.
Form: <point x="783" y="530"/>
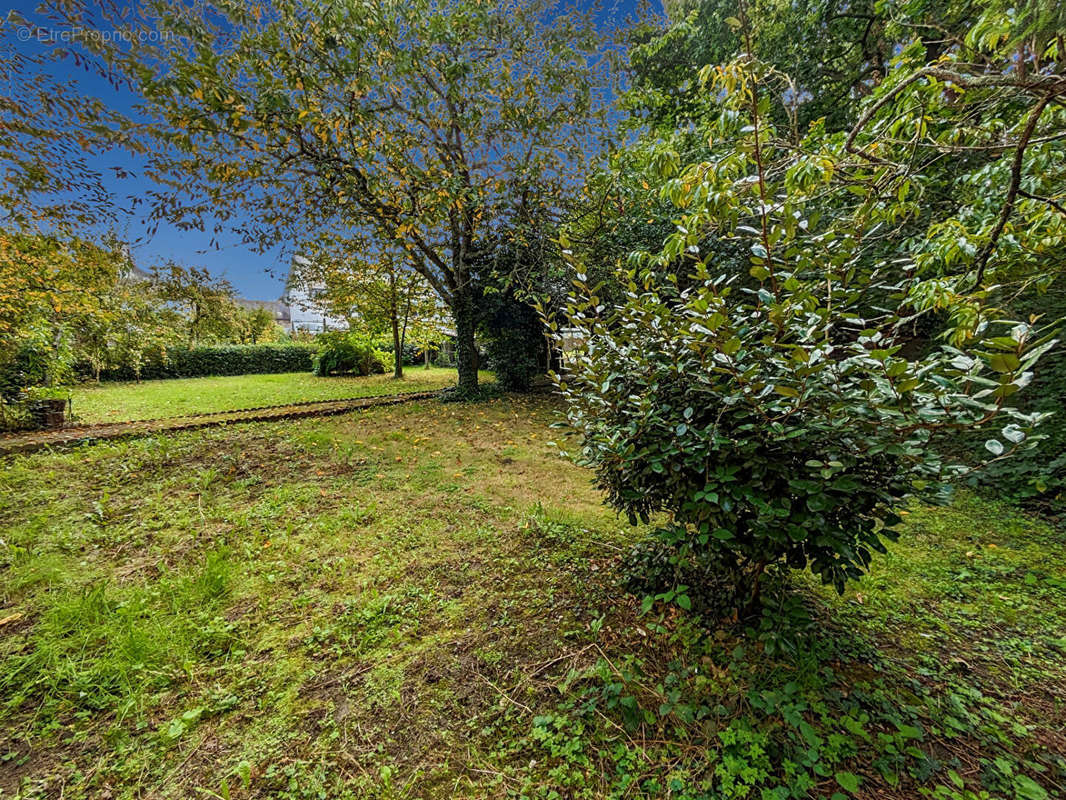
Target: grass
<point x="121" y="401"/>
<point x="418" y="601"/>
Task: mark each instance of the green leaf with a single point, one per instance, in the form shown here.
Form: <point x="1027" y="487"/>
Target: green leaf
<point x="848" y="781"/>
<point x="1003" y="362"/>
<point x="1025" y="788"/>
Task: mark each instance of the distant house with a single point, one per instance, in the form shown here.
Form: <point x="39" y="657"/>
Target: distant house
<point x="306" y="312"/>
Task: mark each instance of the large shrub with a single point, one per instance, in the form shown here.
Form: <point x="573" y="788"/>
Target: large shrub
<point x="782" y="416"/>
<point x="344" y="353"/>
<point x="514" y="342"/>
<point x="775" y="427"/>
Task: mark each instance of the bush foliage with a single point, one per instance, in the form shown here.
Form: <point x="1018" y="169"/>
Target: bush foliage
<point x="775" y="427"/>
<point x="514" y="342"/>
<point x="344" y="353"/>
<point x="781" y="416"/>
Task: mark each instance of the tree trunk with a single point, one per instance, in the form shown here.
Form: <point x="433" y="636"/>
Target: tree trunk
<point x="397" y="349"/>
<point x="425" y="352"/>
<point x="53" y="362"/>
<point x="465" y="349"/>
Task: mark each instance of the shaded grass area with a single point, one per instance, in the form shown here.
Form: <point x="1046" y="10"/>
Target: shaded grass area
<point x="418" y="601"/>
<point x="121" y="401"/>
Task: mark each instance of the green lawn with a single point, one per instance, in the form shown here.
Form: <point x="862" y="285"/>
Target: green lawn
<point x="120" y="401"/>
<point x="419" y="602"/>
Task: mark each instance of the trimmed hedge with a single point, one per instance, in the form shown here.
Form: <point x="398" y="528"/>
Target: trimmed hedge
<point x="240" y="359"/>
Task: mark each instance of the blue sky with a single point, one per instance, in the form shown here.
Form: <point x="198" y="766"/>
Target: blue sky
<point x="255" y="275"/>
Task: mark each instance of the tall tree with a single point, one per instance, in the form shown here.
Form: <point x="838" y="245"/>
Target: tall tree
<point x="434" y="123"/>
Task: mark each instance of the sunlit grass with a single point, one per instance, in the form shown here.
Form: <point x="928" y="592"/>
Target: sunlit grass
<point x="120" y="401"/>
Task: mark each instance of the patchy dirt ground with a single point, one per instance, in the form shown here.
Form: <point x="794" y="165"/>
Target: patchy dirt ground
<point x="419" y="601"/>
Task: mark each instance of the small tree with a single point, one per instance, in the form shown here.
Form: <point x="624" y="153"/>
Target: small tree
<point x="206" y="302"/>
<point x="778" y="417"/>
<point x="255" y="325"/>
<point x="372" y="286"/>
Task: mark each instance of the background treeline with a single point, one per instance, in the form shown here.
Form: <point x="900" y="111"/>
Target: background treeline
<point x="75" y="310"/>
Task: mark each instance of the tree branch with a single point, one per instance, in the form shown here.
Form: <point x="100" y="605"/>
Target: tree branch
<point x="1012" y="192"/>
<point x="1047" y="200"/>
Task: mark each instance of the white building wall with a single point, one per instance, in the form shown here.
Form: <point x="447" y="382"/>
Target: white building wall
<point x="307" y="315"/>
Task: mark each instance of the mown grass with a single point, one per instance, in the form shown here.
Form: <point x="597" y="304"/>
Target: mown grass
<point x="121" y="401"/>
<point x="419" y="601"/>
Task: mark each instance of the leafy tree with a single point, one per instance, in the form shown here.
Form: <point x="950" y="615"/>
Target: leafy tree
<point x="781" y="416"/>
<point x="255" y="325"/>
<point x="965" y="106"/>
<point x="140" y="332"/>
<point x="436" y="124"/>
<point x="206" y="302"/>
<point x="47" y="284"/>
<point x="371" y="286"/>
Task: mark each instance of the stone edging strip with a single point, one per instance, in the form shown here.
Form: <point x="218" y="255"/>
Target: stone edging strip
<point x="75" y="434"/>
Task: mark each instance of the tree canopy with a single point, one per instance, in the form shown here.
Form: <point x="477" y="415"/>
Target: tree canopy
<point x="434" y="125"/>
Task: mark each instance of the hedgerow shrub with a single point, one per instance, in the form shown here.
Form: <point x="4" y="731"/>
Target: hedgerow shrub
<point x="196" y="362"/>
<point x="349" y="353"/>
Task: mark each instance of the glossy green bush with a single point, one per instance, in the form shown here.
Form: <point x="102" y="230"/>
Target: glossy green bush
<point x="779" y="416"/>
<point x="775" y="428"/>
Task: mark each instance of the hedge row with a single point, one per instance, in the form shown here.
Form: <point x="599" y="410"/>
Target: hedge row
<point x="198" y="362"/>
